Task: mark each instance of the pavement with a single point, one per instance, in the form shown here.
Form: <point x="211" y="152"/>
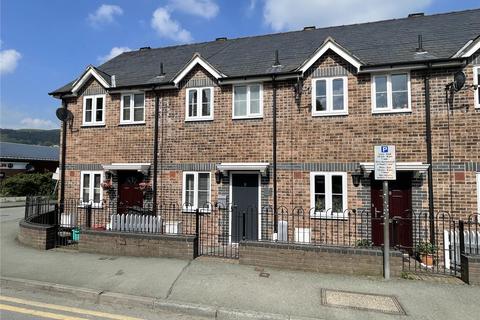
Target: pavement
<point x="224" y="286"/>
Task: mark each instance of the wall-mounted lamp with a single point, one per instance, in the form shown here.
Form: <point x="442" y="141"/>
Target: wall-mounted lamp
<point x="218" y="176"/>
<point x="357" y="176"/>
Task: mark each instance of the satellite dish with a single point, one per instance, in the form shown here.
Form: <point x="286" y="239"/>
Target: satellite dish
<point x="459" y="81"/>
<point x="63" y="114"/>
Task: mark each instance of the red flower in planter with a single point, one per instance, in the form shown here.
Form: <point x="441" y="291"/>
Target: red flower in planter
<point x="107" y="185"/>
<point x="145" y="186"/>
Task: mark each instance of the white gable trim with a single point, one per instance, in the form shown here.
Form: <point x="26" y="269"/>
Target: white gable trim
<point x="197" y="59"/>
<point x="468" y="49"/>
<point x="330" y="44"/>
<point x="90" y="72"/>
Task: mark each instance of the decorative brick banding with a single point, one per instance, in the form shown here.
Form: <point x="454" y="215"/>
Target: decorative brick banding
<point x="38" y="236"/>
<point x="324" y="259"/>
<point x="138" y="245"/>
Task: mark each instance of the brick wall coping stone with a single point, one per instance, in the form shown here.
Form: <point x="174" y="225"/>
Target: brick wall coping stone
<point x="157" y="236"/>
<point x="322" y="248"/>
<point x="472" y="257"/>
<point x="32" y="225"/>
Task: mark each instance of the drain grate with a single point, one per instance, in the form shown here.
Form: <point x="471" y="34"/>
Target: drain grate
<point x="362" y="301"/>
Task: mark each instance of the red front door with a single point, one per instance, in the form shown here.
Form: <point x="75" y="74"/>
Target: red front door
<point x="400" y="203"/>
<point x="129" y="193"/>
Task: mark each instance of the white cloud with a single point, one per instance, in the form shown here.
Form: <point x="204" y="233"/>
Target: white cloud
<point x="166" y="27"/>
<point x="113" y="53"/>
<point x="36" y="123"/>
<point x="292" y="15"/>
<point x="9" y="60"/>
<point x="104" y="14"/>
<point x="203" y="8"/>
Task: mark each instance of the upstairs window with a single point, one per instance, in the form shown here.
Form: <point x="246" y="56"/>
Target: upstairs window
<point x="391" y="93"/>
<point x="476" y="81"/>
<point x="247" y="101"/>
<point x="90" y="188"/>
<point x="328" y="195"/>
<point x="94" y="110"/>
<point x="132" y="108"/>
<point x="330" y="96"/>
<point x="196" y="190"/>
<point x="199" y="104"/>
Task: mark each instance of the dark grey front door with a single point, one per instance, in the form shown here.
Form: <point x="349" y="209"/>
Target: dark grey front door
<point x="244" y="206"/>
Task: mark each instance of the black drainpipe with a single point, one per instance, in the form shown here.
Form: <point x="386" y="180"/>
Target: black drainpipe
<point x="274" y="129"/>
<point x="428" y="136"/>
<point x="155" y="153"/>
<point x="64" y="154"/>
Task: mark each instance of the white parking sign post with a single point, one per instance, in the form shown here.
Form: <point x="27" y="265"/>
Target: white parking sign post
<point x="385" y="169"/>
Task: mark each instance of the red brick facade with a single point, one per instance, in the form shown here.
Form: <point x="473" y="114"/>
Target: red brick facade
<point x="305" y="143"/>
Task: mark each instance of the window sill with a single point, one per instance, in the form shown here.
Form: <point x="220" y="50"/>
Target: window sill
<point x="138" y="123"/>
<point x="88" y="125"/>
<point x="391" y="111"/>
<point x="248" y="117"/>
<point x="329" y="114"/>
<point x="193" y="210"/>
<point x="93" y="206"/>
<point x="198" y="119"/>
<point x="329" y="216"/>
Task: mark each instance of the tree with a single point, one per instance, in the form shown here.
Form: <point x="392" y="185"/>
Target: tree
<point x="28" y="184"/>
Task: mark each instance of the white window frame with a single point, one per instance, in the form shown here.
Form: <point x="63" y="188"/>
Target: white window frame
<point x="329" y="97"/>
<point x="199" y="117"/>
<point x="195" y="191"/>
<point x="132" y="107"/>
<point x="389" y="108"/>
<point x="249" y="115"/>
<point x="91" y="189"/>
<point x="328" y="214"/>
<point x="94" y="109"/>
<point x="476" y="72"/>
<point x="478" y="194"/>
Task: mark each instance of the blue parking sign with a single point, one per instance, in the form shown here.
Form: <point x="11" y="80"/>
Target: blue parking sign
<point x="384" y="149"/>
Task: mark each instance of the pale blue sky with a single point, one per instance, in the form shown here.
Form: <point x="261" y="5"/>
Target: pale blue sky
<point x="45" y="44"/>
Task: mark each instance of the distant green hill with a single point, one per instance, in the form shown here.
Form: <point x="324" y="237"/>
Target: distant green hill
<point x="31" y="136"/>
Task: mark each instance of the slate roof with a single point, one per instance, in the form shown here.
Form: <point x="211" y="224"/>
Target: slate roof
<point x="374" y="43"/>
<point x="19" y="151"/>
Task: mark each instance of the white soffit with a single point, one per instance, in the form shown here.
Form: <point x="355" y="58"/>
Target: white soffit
<point x="243" y="166"/>
<point x="332" y="45"/>
<point x="401" y="166"/>
<point x="141" y="167"/>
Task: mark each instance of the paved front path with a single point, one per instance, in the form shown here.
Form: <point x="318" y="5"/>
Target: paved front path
<point x="228" y="284"/>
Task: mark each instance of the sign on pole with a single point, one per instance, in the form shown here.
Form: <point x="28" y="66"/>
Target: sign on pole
<point x="385" y="163"/>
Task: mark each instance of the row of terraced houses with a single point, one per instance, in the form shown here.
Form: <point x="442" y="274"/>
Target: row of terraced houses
<point x="284" y="120"/>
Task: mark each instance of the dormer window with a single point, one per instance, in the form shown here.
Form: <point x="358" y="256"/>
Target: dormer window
<point x="199" y="104"/>
<point x="94" y="110"/>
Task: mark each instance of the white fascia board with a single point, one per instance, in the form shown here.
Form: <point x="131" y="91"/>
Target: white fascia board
<point x="197" y="60"/>
<point x="141" y="167"/>
<point x="243" y="166"/>
<point x="329" y="44"/>
<point x="90" y="72"/>
<point x="468" y="49"/>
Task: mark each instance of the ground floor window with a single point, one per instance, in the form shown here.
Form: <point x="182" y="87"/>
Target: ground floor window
<point x="328" y="194"/>
<point x="478" y="193"/>
<point x="196" y="190"/>
<point x="90" y="187"/>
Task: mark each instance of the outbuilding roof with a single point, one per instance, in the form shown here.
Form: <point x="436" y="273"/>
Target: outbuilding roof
<point x="375" y="43"/>
<point x="19" y="151"/>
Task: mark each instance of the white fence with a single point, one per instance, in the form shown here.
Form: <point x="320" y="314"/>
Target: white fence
<point x="143" y="223"/>
<point x="451" y="240"/>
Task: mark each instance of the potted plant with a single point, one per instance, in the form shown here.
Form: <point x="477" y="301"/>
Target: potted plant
<point x="107" y="185"/>
<point x="426" y="250"/>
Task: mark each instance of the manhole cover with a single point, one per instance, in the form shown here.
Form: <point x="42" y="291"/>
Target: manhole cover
<point x="362" y="301"/>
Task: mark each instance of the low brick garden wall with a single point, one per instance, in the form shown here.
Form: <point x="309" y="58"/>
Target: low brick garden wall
<point x="38" y="236"/>
<point x="324" y="259"/>
<point x="138" y="245"/>
<point x="470" y="269"/>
